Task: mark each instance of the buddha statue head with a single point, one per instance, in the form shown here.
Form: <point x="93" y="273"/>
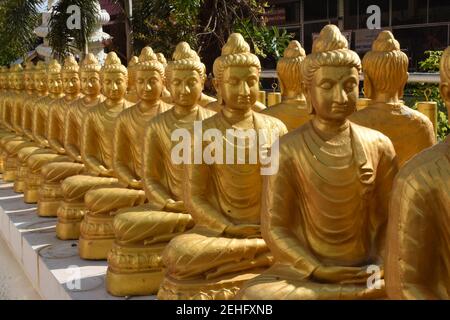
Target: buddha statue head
<point x="186" y="76"/>
<point x="28" y="77"/>
<point x="114" y="77"/>
<point x="18" y="77"/>
<point x="150" y="76"/>
<point x="132" y="73"/>
<point x="90" y="76"/>
<point x="385" y="68"/>
<point x="289" y="70"/>
<point x="445" y="78"/>
<point x="40" y="78"/>
<point x="3" y="78"/>
<point x="54" y="78"/>
<point x="331" y="77"/>
<point x="236" y="74"/>
<point x="71" y="77"/>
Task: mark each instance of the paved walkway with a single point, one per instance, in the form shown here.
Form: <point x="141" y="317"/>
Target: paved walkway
<point x="14" y="284"/>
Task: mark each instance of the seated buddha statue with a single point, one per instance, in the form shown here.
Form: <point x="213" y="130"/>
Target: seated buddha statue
<point x="324" y="213"/>
<point x="418" y="236"/>
<point x="27" y="97"/>
<point x="96" y="147"/>
<point x="142" y="232"/>
<point x="292" y="109"/>
<point x="97" y="235"/>
<point x="14" y="106"/>
<point x="225" y="247"/>
<point x="7" y="104"/>
<point x="385" y="76"/>
<point x="50" y="81"/>
<point x="53" y="173"/>
<point x="131" y="95"/>
<point x="40" y="92"/>
<point x="55" y="129"/>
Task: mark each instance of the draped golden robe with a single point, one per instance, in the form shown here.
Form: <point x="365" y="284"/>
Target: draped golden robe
<point x="96" y="151"/>
<point x="55" y="136"/>
<point x="400" y="124"/>
<point x="129" y="131"/>
<point x="217" y="196"/>
<point x="53" y="173"/>
<point x="418" y="242"/>
<point x="144" y="231"/>
<point x="293" y="113"/>
<point x="127" y="164"/>
<point x="327" y="206"/>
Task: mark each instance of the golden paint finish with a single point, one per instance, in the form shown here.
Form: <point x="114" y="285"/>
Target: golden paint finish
<point x="52" y="174"/>
<point x="324" y="214"/>
<point x="132" y="95"/>
<point x="141" y="233"/>
<point x="96" y="149"/>
<point x="292" y="110"/>
<point x="418" y="251"/>
<point x="127" y="159"/>
<point x="225" y="247"/>
<point x="55" y="129"/>
<point x="386" y="74"/>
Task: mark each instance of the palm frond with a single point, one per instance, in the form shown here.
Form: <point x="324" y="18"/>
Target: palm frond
<point x="64" y="40"/>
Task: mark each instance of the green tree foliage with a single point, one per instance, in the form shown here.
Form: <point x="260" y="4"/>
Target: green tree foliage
<point x="18" y="18"/>
<point x="64" y="40"/>
<point x="206" y="25"/>
<point x="431" y="91"/>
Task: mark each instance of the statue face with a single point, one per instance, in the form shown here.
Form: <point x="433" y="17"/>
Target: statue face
<point x="186" y="87"/>
<point x="40" y="81"/>
<point x="334" y="92"/>
<point x="90" y="83"/>
<point x="11" y="81"/>
<point x="18" y="81"/>
<point x="114" y="85"/>
<point x="239" y="87"/>
<point x="149" y="85"/>
<point x="71" y="82"/>
<point x="55" y="83"/>
<point x="29" y="81"/>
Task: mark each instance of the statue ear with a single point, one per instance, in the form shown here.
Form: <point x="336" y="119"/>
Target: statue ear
<point x="307" y="93"/>
<point x="445" y="91"/>
<point x="368" y="89"/>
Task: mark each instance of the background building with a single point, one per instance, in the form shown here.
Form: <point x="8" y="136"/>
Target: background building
<point x="419" y="25"/>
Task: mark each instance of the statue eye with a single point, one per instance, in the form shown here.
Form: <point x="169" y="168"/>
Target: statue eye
<point x="350" y="86"/>
<point x="326" y="85"/>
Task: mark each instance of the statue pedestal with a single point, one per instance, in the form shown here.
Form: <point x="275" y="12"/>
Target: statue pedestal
<point x="53" y="266"/>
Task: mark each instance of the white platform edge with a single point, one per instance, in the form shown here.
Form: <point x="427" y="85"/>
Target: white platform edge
<point x="52" y="266"/>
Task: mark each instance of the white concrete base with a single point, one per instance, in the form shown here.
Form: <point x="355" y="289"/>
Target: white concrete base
<point x="53" y="266"/>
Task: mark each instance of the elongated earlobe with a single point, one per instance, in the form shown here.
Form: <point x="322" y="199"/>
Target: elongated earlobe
<point x="368" y="90"/>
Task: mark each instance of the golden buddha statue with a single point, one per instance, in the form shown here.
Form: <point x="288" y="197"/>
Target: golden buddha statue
<point x="141" y="233"/>
<point x="417" y="263"/>
<point x="55" y="129"/>
<point x="225" y="247"/>
<point x="4" y="88"/>
<point x="49" y="80"/>
<point x="131" y="95"/>
<point x="96" y="145"/>
<point x="52" y="174"/>
<point x="292" y="110"/>
<point x="21" y="139"/>
<point x="13" y="114"/>
<point x="97" y="235"/>
<point x="7" y="103"/>
<point x="324" y="213"/>
<point x="40" y="91"/>
<point x="385" y="76"/>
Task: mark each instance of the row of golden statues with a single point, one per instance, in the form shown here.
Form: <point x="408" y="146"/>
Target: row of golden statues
<point x="92" y="145"/>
